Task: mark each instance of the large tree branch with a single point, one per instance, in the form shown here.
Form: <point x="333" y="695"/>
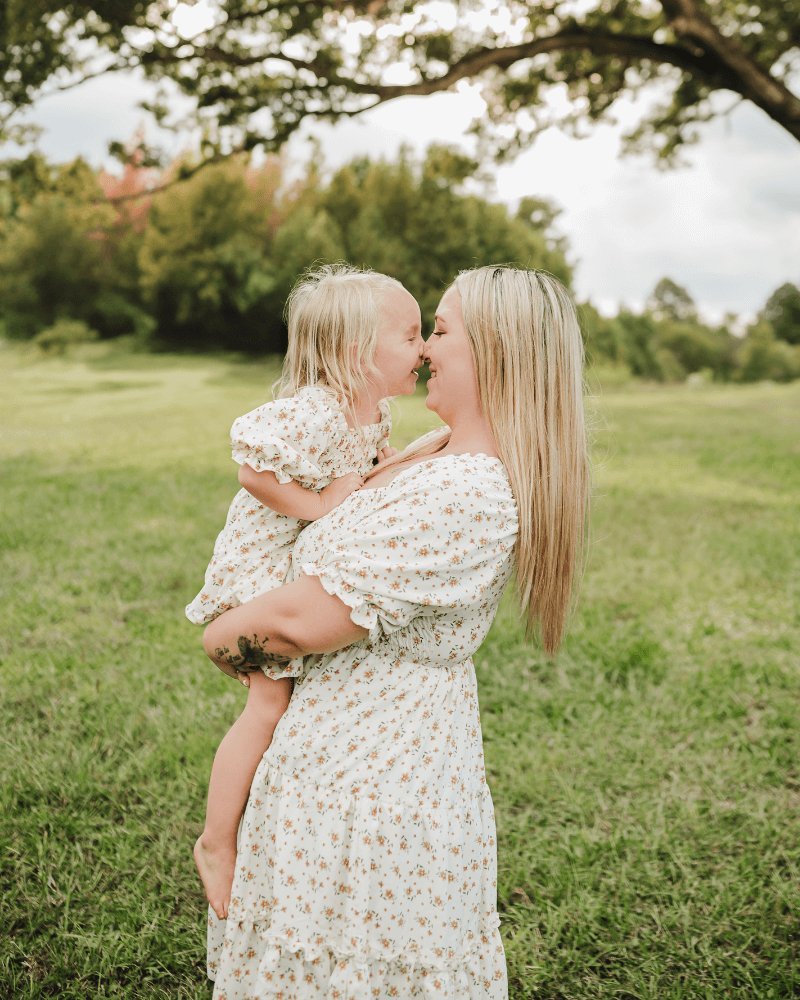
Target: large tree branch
<point x="701" y="52"/>
<point x="478" y="60"/>
<point x="689" y="22"/>
<point x="634" y="47"/>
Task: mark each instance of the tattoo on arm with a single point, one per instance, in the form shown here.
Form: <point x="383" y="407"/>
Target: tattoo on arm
<point x="251" y="654"/>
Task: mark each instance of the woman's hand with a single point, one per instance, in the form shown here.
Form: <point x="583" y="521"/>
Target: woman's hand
<point x="293" y="620"/>
<point x="386" y="453"/>
<point x="240" y="675"/>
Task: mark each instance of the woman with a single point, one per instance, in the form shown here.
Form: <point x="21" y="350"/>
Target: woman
<point x="366" y="863"/>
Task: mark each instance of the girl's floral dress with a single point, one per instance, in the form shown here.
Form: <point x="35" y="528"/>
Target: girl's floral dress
<point x="366" y="864"/>
<point x="304" y="438"/>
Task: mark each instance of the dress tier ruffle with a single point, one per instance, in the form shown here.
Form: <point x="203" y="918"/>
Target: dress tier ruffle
<point x="370" y="932"/>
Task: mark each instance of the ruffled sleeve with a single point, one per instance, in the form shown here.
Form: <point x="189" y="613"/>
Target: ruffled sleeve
<point x="287" y="437"/>
<point x="439" y="541"/>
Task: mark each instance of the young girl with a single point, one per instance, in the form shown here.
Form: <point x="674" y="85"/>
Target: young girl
<point x="354" y="339"/>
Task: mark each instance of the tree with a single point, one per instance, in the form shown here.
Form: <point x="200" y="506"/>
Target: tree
<point x="669" y="301"/>
<point x="210" y="262"/>
<point x="204" y="266"/>
<point x="418" y="223"/>
<point x="782" y="312"/>
<point x="694" y="346"/>
<point x="260" y="68"/>
<point x="53" y="256"/>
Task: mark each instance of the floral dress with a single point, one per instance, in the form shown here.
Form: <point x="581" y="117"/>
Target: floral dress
<point x="304" y="438"/>
<point x="367" y="863"/>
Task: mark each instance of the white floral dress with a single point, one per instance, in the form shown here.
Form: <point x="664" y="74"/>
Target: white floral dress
<point x="367" y="862"/>
<point x="304" y="438"/>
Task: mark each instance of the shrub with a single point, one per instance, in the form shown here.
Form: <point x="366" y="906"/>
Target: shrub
<point x="762" y="356"/>
<point x="63" y="334"/>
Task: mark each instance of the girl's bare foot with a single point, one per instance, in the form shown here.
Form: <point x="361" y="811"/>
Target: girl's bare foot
<point x="216" y="866"/>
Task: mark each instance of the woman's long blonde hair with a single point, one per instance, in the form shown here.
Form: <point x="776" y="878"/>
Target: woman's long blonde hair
<point x="529" y="357"/>
<point x="333" y="314"/>
<point x="528" y="352"/>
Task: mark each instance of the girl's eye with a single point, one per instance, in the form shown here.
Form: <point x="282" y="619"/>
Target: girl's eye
<point x="437" y="333"/>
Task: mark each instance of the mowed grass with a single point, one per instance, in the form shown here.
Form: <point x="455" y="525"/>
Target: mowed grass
<point x="646" y="783"/>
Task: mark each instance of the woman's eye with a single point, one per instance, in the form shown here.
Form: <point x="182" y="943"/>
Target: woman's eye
<point x="437" y="333"/>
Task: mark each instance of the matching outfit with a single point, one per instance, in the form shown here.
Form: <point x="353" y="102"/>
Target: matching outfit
<point x="304" y="438"/>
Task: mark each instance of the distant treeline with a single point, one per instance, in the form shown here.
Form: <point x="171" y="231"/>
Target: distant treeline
<point x="208" y="261"/>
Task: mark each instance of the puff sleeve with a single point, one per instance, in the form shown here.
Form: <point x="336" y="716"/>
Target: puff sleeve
<point x="439" y="543"/>
<point x="286" y="437"/>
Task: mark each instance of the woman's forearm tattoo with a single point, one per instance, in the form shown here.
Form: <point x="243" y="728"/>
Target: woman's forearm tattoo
<point x="251" y="654"/>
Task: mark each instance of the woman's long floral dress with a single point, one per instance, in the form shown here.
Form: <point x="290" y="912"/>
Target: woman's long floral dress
<point x="367" y="861"/>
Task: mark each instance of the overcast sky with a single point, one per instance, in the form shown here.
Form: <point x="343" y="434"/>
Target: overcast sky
<point x="727" y="226"/>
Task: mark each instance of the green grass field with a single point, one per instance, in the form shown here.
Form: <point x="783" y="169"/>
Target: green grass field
<point x="646" y="784"/>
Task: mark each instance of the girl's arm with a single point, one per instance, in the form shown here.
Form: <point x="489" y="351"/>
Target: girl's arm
<point x="293" y="499"/>
<point x="294" y="620"/>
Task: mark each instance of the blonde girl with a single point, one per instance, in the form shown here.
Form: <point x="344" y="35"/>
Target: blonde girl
<point x="354" y="341"/>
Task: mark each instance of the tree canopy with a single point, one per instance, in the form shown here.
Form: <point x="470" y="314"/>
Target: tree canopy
<point x="259" y="69"/>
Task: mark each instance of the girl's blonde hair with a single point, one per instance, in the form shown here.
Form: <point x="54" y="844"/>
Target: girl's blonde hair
<point x="529" y="358"/>
<point x="332" y="314"/>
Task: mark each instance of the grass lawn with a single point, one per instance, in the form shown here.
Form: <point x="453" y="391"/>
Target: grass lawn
<point x="646" y="783"/>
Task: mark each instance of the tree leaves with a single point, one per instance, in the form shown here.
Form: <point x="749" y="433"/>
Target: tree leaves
<point x="260" y="69"/>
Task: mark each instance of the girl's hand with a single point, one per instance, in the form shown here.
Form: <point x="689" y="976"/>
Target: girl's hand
<point x="339" y="490"/>
<point x="387" y="452"/>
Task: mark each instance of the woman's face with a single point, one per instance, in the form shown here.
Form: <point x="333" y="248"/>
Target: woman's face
<point x="398" y="351"/>
<point x="453" y="385"/>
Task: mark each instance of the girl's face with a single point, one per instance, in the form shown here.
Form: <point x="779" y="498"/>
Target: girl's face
<point x="398" y="351"/>
<point x="453" y="385"/>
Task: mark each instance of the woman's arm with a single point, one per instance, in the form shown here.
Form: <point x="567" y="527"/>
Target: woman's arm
<point x="294" y="620"/>
<point x="295" y="500"/>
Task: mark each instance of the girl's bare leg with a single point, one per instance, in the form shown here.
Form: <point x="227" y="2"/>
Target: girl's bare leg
<point x="232" y="773"/>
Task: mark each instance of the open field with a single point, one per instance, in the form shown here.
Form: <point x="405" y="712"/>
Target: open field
<point x="647" y="784"/>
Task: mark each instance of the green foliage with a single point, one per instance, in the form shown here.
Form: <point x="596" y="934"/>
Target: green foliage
<point x="52" y="260"/>
<point x="416" y="223"/>
<point x="216" y="274"/>
<point x="63" y="254"/>
<point x="696" y="346"/>
<point x="204" y="267"/>
<point x="763" y="356"/>
<point x="20" y="181"/>
<point x="63" y="334"/>
<point x="782" y="313"/>
<point x="645" y="784"/>
<point x="655" y="345"/>
<point x="669" y="301"/>
<point x="259" y="70"/>
<point x="209" y="261"/>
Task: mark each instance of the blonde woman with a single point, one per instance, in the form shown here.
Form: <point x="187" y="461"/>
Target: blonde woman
<point x="354" y="340"/>
<point x="367" y="850"/>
